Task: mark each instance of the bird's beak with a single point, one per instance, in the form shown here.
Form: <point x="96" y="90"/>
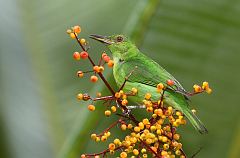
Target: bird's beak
<point x="103" y="39"/>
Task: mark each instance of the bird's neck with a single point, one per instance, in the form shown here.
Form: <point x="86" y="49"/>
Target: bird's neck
<point x="120" y="54"/>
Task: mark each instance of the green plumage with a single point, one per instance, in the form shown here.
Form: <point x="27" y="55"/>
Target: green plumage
<point x="146" y="74"/>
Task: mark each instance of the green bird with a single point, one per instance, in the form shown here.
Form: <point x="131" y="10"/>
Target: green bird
<point x="146" y="74"/>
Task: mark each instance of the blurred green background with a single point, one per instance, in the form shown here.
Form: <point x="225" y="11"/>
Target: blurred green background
<point x="195" y="40"/>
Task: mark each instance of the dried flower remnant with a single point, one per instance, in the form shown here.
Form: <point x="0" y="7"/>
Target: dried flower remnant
<point x="156" y="136"/>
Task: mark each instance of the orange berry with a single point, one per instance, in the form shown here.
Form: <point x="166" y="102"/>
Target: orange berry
<point x="94" y="78"/>
<point x="80" y="74"/>
<point x="91" y="107"/>
<point x="106" y="58"/>
<point x="77" y="29"/>
<point x="107" y="113"/>
<point x="124" y="102"/>
<point x="110" y="63"/>
<point x="76" y="55"/>
<point x="197" y="88"/>
<point x="117" y="95"/>
<point x="111" y="146"/>
<point x="123" y="155"/>
<point x="84" y="54"/>
<point x="72" y="35"/>
<point x="83" y="156"/>
<point x="160" y="86"/>
<point x="170" y="82"/>
<point x="96" y="68"/>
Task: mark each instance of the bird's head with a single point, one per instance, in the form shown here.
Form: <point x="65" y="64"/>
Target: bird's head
<point x="119" y="45"/>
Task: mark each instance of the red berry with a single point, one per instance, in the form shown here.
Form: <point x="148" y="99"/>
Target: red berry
<point x="170" y="82"/>
<point x="76" y="56"/>
<point x="106" y="58"/>
<point x="84" y="55"/>
<point x="104" y="54"/>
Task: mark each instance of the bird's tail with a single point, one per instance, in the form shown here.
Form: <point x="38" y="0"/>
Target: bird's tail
<point x="195" y="121"/>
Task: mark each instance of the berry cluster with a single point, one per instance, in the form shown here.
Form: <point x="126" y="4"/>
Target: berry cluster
<point x="155" y="136"/>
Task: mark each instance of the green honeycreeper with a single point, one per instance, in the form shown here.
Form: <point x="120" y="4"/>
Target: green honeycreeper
<point x="146" y="74"/>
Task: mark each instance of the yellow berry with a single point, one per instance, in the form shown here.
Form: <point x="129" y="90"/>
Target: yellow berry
<point x="164" y="153"/>
<point x="135" y="152"/>
<point x="91" y="107"/>
<point x="141" y="125"/>
<point x="193" y="111"/>
<point x="82" y="41"/>
<point x="97" y="139"/>
<point x="130" y="126"/>
<point x="69" y="31"/>
<point x="134" y="91"/>
<point x="80" y="96"/>
<point x="178" y="113"/>
<point x="93" y="136"/>
<point x="145" y="156"/>
<point x="143" y="150"/>
<point x="178" y="152"/>
<point x="101" y="68"/>
<point x="136" y="129"/>
<point x="153" y="128"/>
<point x="209" y="90"/>
<point x="111" y="146"/>
<point x="72" y="35"/>
<point x="107" y="113"/>
<point x="123" y="127"/>
<point x="165" y="146"/>
<point x="148" y="96"/>
<point x="103" y="138"/>
<point x="116" y="141"/>
<point x="205" y="85"/>
<point x="113" y="108"/>
<point x="123" y="155"/>
<point x="164" y="139"/>
<point x="145" y="121"/>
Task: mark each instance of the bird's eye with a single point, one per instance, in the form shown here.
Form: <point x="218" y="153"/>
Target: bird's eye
<point x="119" y="39"/>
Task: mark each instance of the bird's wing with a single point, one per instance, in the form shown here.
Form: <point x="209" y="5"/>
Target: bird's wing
<point x="149" y="73"/>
